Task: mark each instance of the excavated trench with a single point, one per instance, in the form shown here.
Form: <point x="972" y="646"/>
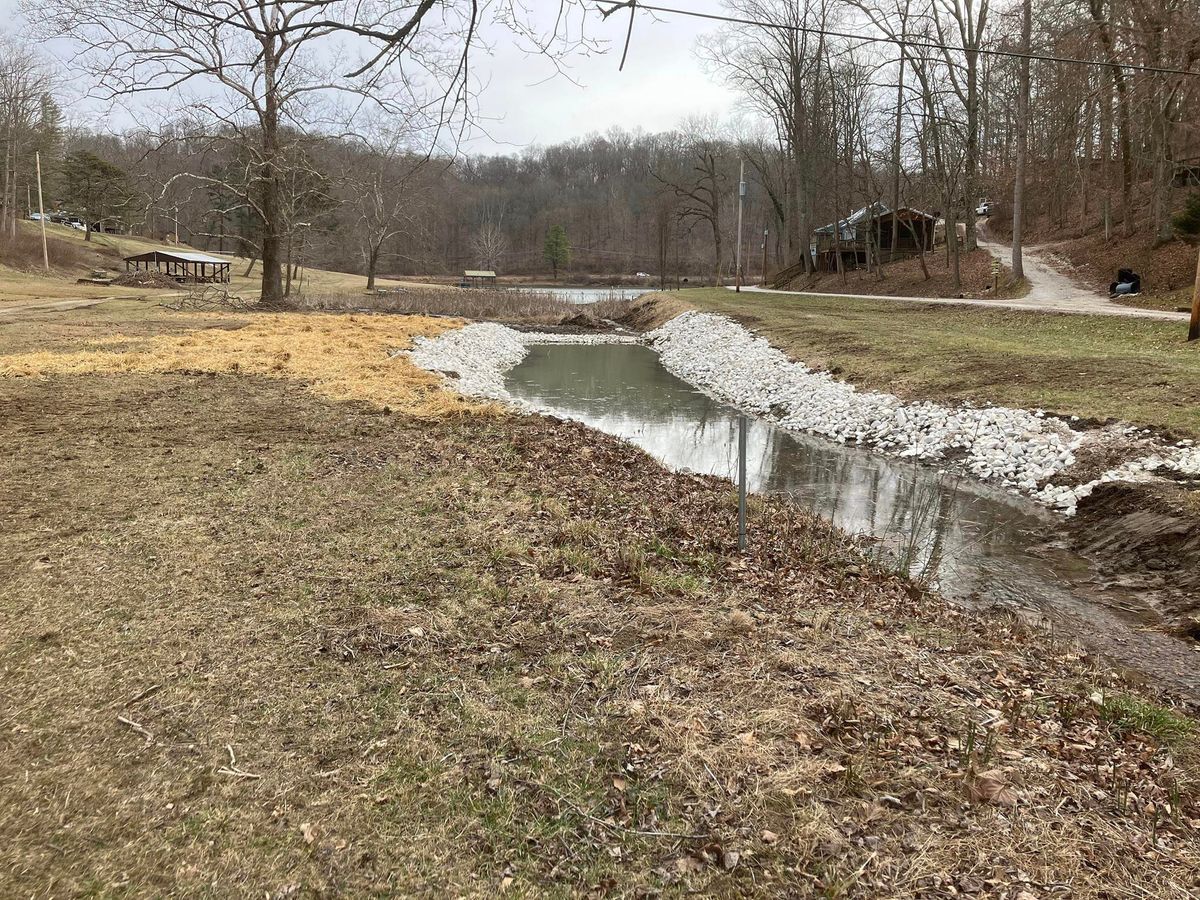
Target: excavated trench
<point x="975" y="544"/>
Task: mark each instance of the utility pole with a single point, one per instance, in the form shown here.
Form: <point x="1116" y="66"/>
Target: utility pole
<point x="42" y="212"/>
<point x="1018" y="261"/>
<point x="766" y="232"/>
<point x="741" y="201"/>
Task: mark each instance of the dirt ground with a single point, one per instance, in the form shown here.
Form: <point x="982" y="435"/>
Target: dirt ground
<point x="905" y="278"/>
<point x="1168" y="270"/>
<point x="260" y="641"/>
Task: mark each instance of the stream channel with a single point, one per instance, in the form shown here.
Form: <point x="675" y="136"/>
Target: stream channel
<point x="976" y="545"/>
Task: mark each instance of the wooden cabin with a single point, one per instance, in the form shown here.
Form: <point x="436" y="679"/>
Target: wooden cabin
<point x="870" y="231"/>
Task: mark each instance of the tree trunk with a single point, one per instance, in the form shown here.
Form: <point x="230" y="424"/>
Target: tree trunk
<point x="287" y="269"/>
<point x="372" y="262"/>
<point x="272" y="239"/>
<point x="1124" y="140"/>
<point x="896" y="153"/>
<point x="971" y="161"/>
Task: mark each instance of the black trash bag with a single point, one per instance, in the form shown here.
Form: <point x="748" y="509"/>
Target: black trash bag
<point x="1128" y="282"/>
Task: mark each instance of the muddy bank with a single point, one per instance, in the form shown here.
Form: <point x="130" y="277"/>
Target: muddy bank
<point x="1146" y="538"/>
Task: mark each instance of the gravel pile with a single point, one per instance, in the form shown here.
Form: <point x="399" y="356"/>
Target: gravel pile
<point x="474" y="358"/>
<point x="1019" y="449"/>
<point x="1022" y="451"/>
<point x="1182" y="459"/>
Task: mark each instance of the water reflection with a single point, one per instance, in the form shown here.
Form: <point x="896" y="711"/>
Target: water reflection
<point x="589" y="294"/>
<point x="960" y="536"/>
<point x="972" y="542"/>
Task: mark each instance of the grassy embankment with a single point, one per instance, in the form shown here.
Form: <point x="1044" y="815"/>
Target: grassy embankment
<point x="1094" y="367"/>
<point x="72" y="257"/>
<point x="278" y="620"/>
<point x="906" y="278"/>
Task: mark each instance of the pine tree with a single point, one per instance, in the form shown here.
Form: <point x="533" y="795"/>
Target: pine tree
<point x="557" y="250"/>
<point x="96" y="189"/>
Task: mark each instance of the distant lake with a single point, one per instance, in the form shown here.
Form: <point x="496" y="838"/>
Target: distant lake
<point x="590" y="294"/>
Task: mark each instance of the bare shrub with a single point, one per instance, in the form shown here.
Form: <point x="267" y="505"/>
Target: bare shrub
<point x="509" y="306"/>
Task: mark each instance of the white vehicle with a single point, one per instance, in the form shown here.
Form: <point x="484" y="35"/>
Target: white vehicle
<point x="983" y="209"/>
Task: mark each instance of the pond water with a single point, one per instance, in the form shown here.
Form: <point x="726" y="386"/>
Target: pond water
<point x="975" y="544"/>
<point x="583" y="295"/>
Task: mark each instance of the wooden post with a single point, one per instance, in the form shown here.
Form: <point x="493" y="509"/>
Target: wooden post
<point x="42" y="212"/>
<point x="1194" y="325"/>
<point x="766" y="233"/>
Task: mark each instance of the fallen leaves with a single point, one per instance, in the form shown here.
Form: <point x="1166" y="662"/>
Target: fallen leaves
<point x="992" y="787"/>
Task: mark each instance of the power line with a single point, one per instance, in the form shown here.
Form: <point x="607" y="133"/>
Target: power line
<point x="634" y="5"/>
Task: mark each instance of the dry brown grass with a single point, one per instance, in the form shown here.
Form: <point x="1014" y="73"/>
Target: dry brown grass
<point x="255" y="642"/>
<point x="514" y="307"/>
<point x="371" y="656"/>
<point x="339" y="357"/>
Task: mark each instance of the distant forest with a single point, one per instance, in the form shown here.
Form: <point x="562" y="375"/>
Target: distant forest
<point x="1073" y="113"/>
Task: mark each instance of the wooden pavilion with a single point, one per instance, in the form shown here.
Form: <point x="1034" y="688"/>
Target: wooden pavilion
<point x="478" y="278"/>
<point x="183" y="266"/>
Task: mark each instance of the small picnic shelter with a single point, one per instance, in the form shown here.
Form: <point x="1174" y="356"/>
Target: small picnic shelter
<point x="478" y="278"/>
<point x="184" y="266"/>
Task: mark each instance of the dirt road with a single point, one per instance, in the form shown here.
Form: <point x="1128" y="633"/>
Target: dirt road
<point x="10" y="312"/>
<point x="1051" y="290"/>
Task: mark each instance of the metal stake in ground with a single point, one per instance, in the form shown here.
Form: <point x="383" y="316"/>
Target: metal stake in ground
<point x="742" y="483"/>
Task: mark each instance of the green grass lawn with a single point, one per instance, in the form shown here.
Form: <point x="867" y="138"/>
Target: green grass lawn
<point x="1091" y="366"/>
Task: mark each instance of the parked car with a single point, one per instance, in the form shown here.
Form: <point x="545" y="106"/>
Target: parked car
<point x="35" y="217"/>
<point x="983" y="209"/>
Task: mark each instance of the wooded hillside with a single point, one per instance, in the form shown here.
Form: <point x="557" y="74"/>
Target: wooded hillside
<point x="920" y="103"/>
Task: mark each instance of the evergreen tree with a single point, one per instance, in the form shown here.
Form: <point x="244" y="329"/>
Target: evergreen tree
<point x="95" y="189"/>
<point x="557" y="250"/>
<point x="1187" y="222"/>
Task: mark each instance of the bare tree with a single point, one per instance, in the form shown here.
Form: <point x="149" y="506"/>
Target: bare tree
<point x="28" y="120"/>
<point x="700" y="190"/>
<point x="781" y="67"/>
<point x="261" y="71"/>
<point x="969" y="19"/>
<point x="1018" y="260"/>
<point x="489" y="242"/>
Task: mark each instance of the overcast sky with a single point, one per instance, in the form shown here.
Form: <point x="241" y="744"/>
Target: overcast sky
<point x="663" y="82"/>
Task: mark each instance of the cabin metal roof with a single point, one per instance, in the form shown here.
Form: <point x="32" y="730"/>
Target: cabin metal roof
<point x="176" y="256"/>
